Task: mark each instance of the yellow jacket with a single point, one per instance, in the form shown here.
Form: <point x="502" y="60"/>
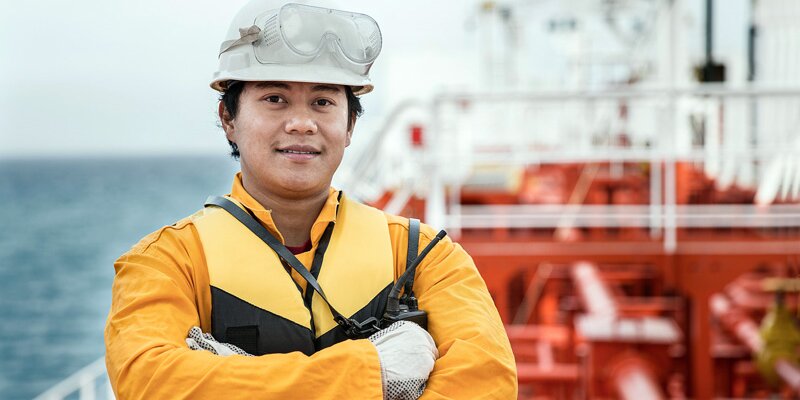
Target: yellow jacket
<point x="161" y="289"/>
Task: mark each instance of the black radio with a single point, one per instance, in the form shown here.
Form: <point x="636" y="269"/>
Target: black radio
<point x="405" y="308"/>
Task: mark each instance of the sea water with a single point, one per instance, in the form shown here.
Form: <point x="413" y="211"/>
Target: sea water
<point x="62" y="225"/>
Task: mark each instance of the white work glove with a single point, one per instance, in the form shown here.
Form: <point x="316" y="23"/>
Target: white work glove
<point x="198" y="340"/>
<point x="407" y="353"/>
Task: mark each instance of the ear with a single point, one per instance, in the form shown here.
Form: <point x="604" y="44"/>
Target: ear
<point x="226" y="121"/>
<point x="350" y="131"/>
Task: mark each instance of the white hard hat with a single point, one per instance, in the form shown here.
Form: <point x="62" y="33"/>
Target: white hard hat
<point x="271" y="40"/>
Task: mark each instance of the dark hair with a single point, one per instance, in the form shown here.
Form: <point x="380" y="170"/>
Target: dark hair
<point x="233" y="91"/>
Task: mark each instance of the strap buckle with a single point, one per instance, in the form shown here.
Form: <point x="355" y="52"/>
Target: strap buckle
<point x="358" y="330"/>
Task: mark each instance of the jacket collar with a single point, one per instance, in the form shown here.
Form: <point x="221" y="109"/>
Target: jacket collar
<point x="264" y="216"/>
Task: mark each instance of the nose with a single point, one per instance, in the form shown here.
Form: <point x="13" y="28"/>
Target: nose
<point x="301" y="121"/>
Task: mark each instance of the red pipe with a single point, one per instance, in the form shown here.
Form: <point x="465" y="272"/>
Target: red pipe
<point x="790" y="373"/>
<point x="737" y="322"/>
<point x="593" y="291"/>
<point x="634" y="381"/>
<point x="746" y="331"/>
<point x="532" y="373"/>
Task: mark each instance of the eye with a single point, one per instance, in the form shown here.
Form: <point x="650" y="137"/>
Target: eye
<point x="274" y="99"/>
<point x="322" y="102"/>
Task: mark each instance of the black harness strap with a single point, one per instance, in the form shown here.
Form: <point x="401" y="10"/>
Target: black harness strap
<point x="316" y="265"/>
<point x="413" y="251"/>
<point x="285" y="255"/>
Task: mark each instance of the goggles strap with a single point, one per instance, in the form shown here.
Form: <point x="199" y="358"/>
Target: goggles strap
<point x="247" y="36"/>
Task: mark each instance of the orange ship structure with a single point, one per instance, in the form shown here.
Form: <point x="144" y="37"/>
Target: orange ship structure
<point x="639" y="236"/>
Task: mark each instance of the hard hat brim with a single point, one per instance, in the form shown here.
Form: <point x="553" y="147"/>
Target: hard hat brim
<point x="292" y="73"/>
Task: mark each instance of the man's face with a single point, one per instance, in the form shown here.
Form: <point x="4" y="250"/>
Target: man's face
<point x="291" y="136"/>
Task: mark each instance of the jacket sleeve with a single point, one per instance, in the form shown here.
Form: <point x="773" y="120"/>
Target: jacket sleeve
<point x="154" y="305"/>
<point x="475" y="357"/>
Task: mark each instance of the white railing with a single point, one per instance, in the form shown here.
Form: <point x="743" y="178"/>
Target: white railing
<point x="623" y="216"/>
<point x="733" y="134"/>
<point x="90" y="383"/>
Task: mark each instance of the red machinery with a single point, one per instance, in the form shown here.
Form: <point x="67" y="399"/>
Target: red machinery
<point x="607" y="312"/>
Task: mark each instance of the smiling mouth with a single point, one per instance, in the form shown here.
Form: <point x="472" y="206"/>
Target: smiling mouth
<point x="298" y="152"/>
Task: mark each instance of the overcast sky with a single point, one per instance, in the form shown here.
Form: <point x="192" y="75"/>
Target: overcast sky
<point x="95" y="76"/>
<point x="131" y="77"/>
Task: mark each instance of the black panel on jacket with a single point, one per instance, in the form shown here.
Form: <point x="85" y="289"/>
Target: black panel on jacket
<point x="273" y="333"/>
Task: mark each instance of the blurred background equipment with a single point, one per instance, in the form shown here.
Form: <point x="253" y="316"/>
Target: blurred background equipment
<point x="628" y="218"/>
<point x="635" y="214"/>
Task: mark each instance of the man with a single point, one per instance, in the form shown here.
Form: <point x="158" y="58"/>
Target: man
<point x="294" y="310"/>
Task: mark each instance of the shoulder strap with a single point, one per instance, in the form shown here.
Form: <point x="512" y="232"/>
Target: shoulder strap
<point x="278" y="247"/>
<point x="413" y="251"/>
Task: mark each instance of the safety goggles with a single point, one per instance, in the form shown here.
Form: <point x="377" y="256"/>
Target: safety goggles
<point x="297" y="34"/>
